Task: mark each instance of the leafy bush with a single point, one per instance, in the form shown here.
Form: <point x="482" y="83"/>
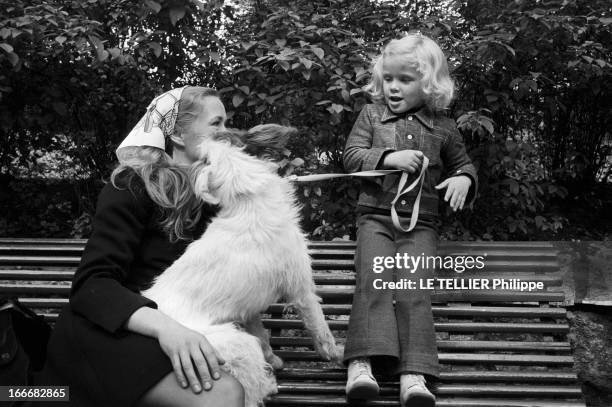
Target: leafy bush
<point x="533" y="83"/>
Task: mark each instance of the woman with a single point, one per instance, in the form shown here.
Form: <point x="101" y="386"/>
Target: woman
<point x="111" y="346"/>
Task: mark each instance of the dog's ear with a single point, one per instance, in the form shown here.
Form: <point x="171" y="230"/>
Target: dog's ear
<point x="268" y="140"/>
<point x="199" y="175"/>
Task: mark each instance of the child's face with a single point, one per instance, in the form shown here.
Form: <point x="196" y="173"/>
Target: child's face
<point x="401" y="84"/>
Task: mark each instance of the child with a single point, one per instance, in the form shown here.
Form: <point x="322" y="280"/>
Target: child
<point x="410" y="87"/>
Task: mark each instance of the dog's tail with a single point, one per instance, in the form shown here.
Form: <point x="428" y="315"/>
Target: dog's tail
<point x="244" y="360"/>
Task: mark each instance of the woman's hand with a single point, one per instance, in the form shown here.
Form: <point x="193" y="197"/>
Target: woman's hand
<point x="407" y="160"/>
<point x="191" y="356"/>
<point x="457" y="189"/>
<point x="189" y="351"/>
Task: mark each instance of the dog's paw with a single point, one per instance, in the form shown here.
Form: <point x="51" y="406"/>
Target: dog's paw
<point x="330" y="352"/>
<point x="338" y="355"/>
<point x="275" y="361"/>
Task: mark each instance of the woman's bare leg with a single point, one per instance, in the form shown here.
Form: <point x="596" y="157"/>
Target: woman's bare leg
<point x="226" y="392"/>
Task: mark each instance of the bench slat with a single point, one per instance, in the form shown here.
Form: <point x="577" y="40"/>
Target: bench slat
<point x="446" y="243"/>
<point x="339" y="294"/>
<point x="317" y="264"/>
<point x="55" y="275"/>
<point x="327" y="253"/>
<point x="460" y="358"/>
<point x="319" y="278"/>
<point x="523" y="376"/>
<point x="445" y="389"/>
<point x="326" y="400"/>
<point x="476" y="311"/>
<point x="453" y="345"/>
<point x="440" y="326"/>
<point x="344" y="309"/>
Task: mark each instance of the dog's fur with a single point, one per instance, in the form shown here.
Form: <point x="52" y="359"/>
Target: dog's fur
<point x="252" y="254"/>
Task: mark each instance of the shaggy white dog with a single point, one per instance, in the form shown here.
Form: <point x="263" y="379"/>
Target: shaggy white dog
<point x="252" y="254"/>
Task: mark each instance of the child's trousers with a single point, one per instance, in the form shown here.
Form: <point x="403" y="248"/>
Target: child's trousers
<point x="386" y="322"/>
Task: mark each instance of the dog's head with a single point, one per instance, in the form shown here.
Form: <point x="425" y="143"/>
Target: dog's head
<point x="226" y="172"/>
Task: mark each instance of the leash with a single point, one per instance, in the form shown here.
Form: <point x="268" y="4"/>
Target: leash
<point x="377" y="173"/>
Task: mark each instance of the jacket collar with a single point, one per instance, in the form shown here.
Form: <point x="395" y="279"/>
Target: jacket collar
<point x="424" y="115"/>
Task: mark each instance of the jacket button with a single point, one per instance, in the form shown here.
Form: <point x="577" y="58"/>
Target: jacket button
<point x="410" y="137"/>
<point x="403" y="202"/>
<point x="409" y="117"/>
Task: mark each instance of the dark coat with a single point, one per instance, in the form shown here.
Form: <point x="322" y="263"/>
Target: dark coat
<point x="104" y="364"/>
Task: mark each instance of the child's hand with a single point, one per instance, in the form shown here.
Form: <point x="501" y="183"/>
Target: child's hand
<point x="407" y="160"/>
<point x="457" y="190"/>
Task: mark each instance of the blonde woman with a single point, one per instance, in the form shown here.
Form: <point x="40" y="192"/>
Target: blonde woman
<point x="111" y="346"/>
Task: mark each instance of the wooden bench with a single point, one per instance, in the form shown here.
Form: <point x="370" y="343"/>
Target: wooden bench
<point x="497" y="348"/>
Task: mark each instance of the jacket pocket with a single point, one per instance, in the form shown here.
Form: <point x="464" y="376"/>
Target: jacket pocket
<point x="384" y="136"/>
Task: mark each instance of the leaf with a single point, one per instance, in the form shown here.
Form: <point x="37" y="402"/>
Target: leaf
<point x="157" y="49"/>
<point x="214" y="56"/>
<point x="153" y="5"/>
<point x="306" y="75"/>
<point x="318" y="52"/>
<point x="61" y="39"/>
<point x="281" y="42"/>
<point x="284" y="64"/>
<point x="260" y="109"/>
<point x="237" y="100"/>
<point x="323" y="102"/>
<point x="297" y="162"/>
<point x="335" y="108"/>
<point x="7" y="47"/>
<point x="13" y="58"/>
<point x="345" y="95"/>
<point x="176" y="13"/>
<point x="488" y="126"/>
<point x="539" y="221"/>
<point x="114" y="52"/>
<point x="60" y="108"/>
<point x="245" y="89"/>
<point x="306" y="62"/>
<point x="247" y="45"/>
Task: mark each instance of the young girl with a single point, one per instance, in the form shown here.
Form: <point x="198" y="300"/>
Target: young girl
<point x="111" y="346"/>
<point x="389" y="328"/>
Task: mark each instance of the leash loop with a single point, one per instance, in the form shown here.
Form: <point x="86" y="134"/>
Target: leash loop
<point x="377" y="173"/>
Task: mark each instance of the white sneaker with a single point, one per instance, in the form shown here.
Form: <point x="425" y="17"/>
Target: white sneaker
<point x="361" y="384"/>
<point x="414" y="393"/>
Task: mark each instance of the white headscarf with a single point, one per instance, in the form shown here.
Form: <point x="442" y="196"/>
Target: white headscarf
<point x="158" y="122"/>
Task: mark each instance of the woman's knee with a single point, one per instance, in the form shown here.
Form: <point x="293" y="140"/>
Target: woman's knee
<point x="232" y="391"/>
<point x="226" y="392"/>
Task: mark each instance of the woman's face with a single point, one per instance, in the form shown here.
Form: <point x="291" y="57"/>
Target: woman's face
<point x="211" y="120"/>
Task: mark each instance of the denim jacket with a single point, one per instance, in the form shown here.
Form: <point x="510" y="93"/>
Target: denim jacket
<point x="378" y="131"/>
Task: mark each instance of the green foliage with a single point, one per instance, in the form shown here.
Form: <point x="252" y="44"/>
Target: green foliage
<point x="533" y="81"/>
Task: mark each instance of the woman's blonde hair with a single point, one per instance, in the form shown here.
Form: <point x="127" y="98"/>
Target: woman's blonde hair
<point x="167" y="183"/>
<point x="427" y="58"/>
